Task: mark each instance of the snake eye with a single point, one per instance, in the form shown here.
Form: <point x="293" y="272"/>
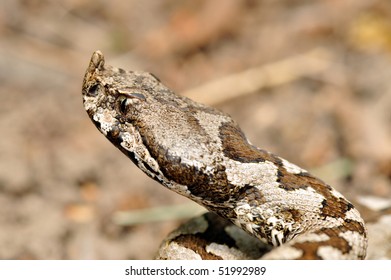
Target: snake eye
<point x="93" y="90"/>
<point x="127" y="100"/>
<point x="123" y="106"/>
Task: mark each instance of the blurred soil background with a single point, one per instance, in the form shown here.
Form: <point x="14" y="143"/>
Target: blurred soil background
<point x="307" y="80"/>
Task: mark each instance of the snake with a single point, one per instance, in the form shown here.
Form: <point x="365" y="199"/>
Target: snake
<point x="201" y="153"/>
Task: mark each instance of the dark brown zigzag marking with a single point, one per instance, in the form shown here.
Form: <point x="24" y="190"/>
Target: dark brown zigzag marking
<point x="236" y="147"/>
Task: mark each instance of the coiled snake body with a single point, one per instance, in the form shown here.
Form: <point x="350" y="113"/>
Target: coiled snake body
<point x="201" y="153"/>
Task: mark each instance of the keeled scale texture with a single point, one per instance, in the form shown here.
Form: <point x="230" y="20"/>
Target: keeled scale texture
<point x="201" y="153"/>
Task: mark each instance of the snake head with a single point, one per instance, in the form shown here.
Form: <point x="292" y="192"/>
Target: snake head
<point x="123" y="102"/>
<point x="141" y="116"/>
<point x="113" y="96"/>
<point x="169" y="137"/>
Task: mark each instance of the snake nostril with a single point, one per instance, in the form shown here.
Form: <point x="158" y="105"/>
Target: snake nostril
<point x="93" y="90"/>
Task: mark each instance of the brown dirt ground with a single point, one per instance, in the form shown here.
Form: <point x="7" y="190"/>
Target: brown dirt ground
<point x="61" y="181"/>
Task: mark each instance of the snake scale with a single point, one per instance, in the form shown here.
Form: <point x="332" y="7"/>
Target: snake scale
<point x="202" y="154"/>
